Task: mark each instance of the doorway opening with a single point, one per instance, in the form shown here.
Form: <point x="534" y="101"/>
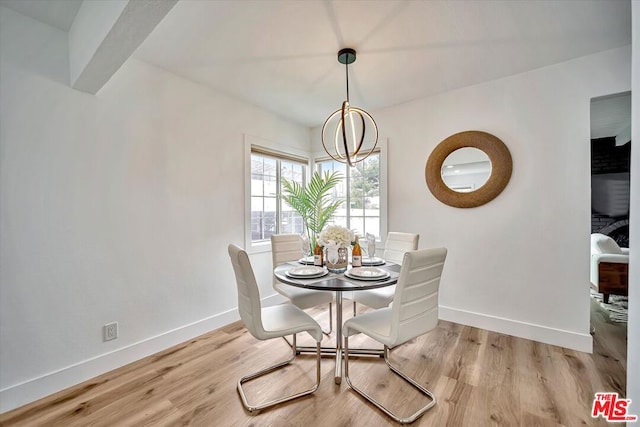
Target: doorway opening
<point x="610" y="183"/>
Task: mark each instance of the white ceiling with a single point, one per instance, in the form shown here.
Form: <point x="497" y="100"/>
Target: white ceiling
<point x="281" y="54"/>
<point x="57" y="13"/>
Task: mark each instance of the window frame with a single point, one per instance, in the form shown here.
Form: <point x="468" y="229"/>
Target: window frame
<point x="310" y="157"/>
<point x="256" y="145"/>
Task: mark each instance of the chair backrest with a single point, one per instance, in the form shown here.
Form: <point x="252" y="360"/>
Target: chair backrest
<point x="248" y="294"/>
<point x="603" y="244"/>
<point x="415" y="303"/>
<point x="285" y="248"/>
<point x="397" y="244"/>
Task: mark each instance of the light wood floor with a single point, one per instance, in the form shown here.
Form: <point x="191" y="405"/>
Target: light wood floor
<point x="480" y="378"/>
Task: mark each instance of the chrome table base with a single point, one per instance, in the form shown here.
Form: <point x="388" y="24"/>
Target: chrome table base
<point x="337" y="350"/>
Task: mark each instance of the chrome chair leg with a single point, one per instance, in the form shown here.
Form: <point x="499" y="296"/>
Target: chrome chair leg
<point x="402" y="375"/>
<point x="330" y="321"/>
<point x="251" y="407"/>
<point x="354" y="309"/>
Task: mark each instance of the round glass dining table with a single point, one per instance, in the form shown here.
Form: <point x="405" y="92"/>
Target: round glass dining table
<point x="338" y="283"/>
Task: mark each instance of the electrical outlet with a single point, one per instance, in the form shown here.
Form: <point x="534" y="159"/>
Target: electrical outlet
<point x="111" y="331"/>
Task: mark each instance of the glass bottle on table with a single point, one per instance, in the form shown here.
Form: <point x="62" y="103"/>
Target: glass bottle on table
<point x="356" y="254"/>
<point x="317" y="256"/>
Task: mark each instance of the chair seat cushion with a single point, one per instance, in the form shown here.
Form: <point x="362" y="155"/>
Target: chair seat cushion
<point x="375" y="324"/>
<point x="287" y="319"/>
<point x="375" y="298"/>
<point x="303" y="298"/>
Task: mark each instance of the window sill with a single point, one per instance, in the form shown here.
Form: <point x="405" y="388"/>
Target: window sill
<point x="260" y="247"/>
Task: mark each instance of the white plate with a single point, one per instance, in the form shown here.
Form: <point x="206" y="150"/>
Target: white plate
<point x="306" y="272"/>
<point x="307" y="260"/>
<point x="367" y="273"/>
<point x="372" y="261"/>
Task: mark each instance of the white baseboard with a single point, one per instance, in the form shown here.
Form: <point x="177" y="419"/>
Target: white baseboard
<point x="544" y="334"/>
<point x="36" y="388"/>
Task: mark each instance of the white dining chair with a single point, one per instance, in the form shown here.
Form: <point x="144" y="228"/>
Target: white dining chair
<point x="266" y="323"/>
<point x="286" y="248"/>
<point x="414" y="313"/>
<point x="394" y="249"/>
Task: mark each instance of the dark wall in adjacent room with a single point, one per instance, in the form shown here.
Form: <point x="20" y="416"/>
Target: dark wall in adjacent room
<point x="610" y="189"/>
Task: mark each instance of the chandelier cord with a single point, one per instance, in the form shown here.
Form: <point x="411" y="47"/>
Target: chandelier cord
<point x="347" y="73"/>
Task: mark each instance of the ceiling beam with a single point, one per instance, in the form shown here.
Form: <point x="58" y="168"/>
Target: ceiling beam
<point x="104" y="34"/>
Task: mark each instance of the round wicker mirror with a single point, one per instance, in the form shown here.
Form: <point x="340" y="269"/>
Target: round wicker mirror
<point x="501" y="165"/>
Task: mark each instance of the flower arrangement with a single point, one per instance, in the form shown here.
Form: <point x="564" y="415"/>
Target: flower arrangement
<point x="335" y="240"/>
<point x="336" y="235"/>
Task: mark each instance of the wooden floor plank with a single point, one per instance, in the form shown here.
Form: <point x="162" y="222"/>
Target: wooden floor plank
<point x="480" y="378"/>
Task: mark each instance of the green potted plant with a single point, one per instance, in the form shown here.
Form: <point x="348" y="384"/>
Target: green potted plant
<point x="313" y="202"/>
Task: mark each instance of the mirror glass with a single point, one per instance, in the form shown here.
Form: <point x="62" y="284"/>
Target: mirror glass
<point x="466" y="169"/>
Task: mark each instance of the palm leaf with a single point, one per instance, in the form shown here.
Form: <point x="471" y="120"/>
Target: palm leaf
<point x="295" y="197"/>
<point x="313" y="202"/>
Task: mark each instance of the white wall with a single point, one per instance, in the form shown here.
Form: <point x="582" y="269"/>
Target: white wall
<point x="116" y="207"/>
<point x="520" y="264"/>
<point x="633" y="331"/>
<point x="110" y="206"/>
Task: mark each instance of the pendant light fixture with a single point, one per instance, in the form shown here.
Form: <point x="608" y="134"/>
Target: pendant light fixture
<point x="344" y="131"/>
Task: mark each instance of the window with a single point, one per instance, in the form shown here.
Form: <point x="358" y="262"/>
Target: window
<point x="269" y="214"/>
<point x="360" y="189"/>
<point x="267" y="163"/>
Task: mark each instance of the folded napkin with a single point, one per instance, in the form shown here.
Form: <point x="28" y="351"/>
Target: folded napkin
<point x="332" y="251"/>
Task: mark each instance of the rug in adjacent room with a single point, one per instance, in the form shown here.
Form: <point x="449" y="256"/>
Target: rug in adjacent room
<point x="617" y="308"/>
